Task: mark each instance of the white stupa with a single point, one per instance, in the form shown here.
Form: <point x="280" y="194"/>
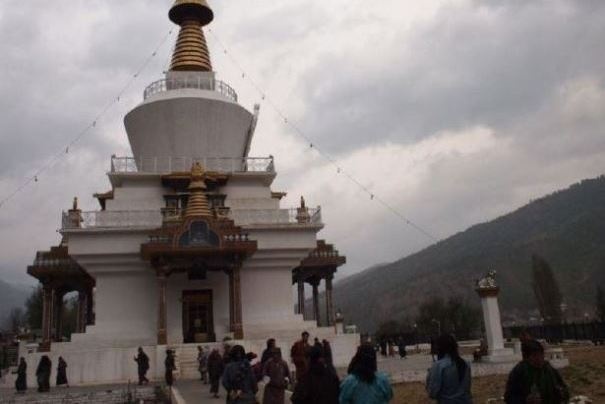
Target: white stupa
<point x="190" y="245"/>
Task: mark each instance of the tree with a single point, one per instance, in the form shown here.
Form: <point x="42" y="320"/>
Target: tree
<point x="16" y="320"/>
<point x="600" y="304"/>
<point x="546" y="290"/>
<point x="33" y="309"/>
<point x="454" y="316"/>
<point x="388" y="329"/>
<point x="70" y="316"/>
<point x="464" y="319"/>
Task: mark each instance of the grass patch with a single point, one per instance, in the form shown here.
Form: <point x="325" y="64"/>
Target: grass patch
<point x="585" y="376"/>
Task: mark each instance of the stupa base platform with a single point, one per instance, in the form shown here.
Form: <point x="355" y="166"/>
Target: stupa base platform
<point x="98" y="360"/>
<point x="504" y="355"/>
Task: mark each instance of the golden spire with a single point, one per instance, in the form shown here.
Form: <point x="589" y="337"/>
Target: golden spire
<point x="198" y="203"/>
<point x="191" y="51"/>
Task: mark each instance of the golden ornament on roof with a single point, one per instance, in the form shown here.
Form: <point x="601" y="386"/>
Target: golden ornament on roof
<point x="198" y="202"/>
<point x="191" y="51"/>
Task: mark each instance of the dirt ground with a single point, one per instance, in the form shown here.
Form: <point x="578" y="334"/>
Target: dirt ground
<point x="585" y="376"/>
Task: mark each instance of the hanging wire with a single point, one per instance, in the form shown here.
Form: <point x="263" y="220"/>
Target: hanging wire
<point x="66" y="148"/>
<point x="313" y="145"/>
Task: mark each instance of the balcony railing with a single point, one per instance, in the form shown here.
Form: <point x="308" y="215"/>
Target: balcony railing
<point x="154" y="218"/>
<point x="112" y="219"/>
<point x="167" y="165"/>
<point x="198" y="83"/>
<point x="275" y="216"/>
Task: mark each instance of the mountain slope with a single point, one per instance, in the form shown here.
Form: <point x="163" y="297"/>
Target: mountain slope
<point x="567" y="228"/>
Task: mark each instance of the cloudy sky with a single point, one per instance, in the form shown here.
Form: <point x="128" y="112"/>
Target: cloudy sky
<point x="453" y="112"/>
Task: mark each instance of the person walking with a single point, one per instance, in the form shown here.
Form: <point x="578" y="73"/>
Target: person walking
<point x="383" y="347"/>
<point x="318" y="385"/>
<point x="215" y="371"/>
<point x="43" y="374"/>
<point x="170" y="367"/>
<point x="21" y="382"/>
<point x="277" y="372"/>
<point x="328" y="357"/>
<point x="364" y="384"/>
<point x="299" y="354"/>
<point x="238" y="379"/>
<point x="268" y="352"/>
<point x="534" y="380"/>
<point x="202" y="360"/>
<point x="142" y="361"/>
<point x="433" y="349"/>
<point x="449" y="379"/>
<point x="402" y="349"/>
<point x="62" y="373"/>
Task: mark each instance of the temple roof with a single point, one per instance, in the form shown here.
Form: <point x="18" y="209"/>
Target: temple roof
<point x="57" y="268"/>
<point x="321" y="263"/>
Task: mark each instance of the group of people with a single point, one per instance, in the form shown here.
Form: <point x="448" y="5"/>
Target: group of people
<point x="392" y="347"/>
<point x="240" y="373"/>
<point x="314" y="380"/>
<point x="532" y="381"/>
<point x="318" y="382"/>
<point x="43" y="374"/>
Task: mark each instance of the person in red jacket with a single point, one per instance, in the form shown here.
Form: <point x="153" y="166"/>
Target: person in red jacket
<point x="300" y="355"/>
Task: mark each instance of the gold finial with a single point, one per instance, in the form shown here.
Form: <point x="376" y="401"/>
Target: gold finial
<point x="197" y="171"/>
<point x="191" y="51"/>
<point x="198" y="203"/>
<point x="302" y="213"/>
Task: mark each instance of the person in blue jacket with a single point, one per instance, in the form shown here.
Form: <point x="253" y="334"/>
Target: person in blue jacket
<point x="364" y="384"/>
<point x="449" y="379"/>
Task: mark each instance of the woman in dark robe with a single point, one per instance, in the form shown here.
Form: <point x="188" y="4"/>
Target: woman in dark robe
<point x="215" y="371"/>
<point x="43" y="374"/>
<point x="327" y="351"/>
<point x="278" y="374"/>
<point x="267" y="353"/>
<point x="170" y="367"/>
<point x="238" y="379"/>
<point x="142" y="361"/>
<point x="62" y="372"/>
<point x="318" y="385"/>
<point x="21" y="382"/>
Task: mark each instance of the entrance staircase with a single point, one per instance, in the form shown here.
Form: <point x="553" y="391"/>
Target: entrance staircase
<point x="256" y="341"/>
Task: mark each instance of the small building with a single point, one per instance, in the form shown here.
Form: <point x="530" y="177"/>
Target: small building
<point x="191" y="245"/>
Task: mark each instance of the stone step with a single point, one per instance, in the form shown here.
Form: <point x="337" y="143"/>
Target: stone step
<point x="72" y="396"/>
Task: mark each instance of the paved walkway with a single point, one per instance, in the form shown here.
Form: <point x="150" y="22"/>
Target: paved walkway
<point x="114" y="393"/>
<point x="196" y="392"/>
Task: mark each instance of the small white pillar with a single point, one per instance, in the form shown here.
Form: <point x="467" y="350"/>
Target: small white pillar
<point x="339" y="323"/>
<point x="491" y="319"/>
<point x="488" y="292"/>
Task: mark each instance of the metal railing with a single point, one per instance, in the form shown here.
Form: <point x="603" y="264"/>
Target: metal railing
<point x="112" y="219"/>
<point x="275" y="216"/>
<point x="154" y="218"/>
<point x="324" y="254"/>
<point x="197" y="83"/>
<point x="167" y="165"/>
<point x="52" y="262"/>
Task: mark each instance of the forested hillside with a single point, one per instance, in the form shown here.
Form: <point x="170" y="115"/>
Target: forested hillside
<point x="566" y="228"/>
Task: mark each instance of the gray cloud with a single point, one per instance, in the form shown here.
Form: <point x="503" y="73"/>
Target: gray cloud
<point x="470" y="65"/>
<point x="454" y="113"/>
